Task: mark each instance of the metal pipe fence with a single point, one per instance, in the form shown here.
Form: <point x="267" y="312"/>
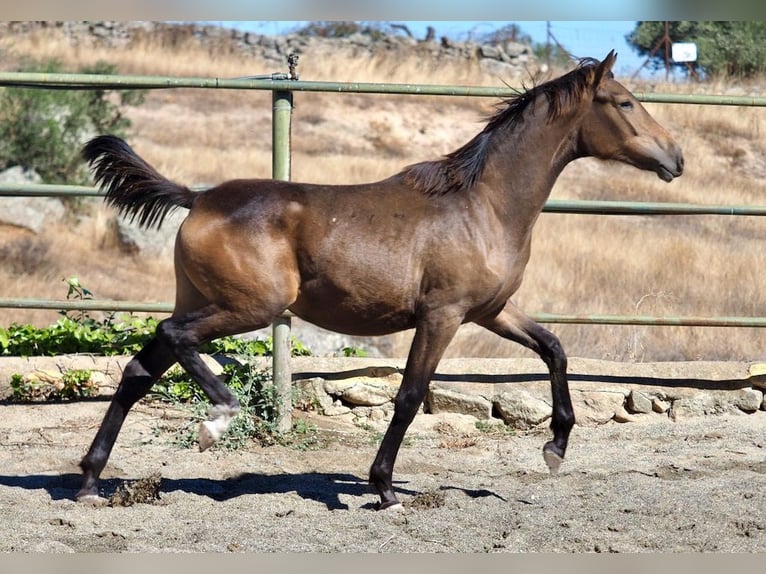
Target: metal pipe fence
<point x="283" y="87"/>
<point x="282" y="82"/>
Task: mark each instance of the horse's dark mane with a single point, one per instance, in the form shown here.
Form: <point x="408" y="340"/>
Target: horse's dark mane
<point x="461" y="169"/>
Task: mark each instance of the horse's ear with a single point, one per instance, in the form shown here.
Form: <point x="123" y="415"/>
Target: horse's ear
<point x="604" y="68"/>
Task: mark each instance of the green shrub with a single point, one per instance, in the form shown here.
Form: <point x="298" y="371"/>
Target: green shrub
<point x="43" y="386"/>
<point x="116" y="334"/>
<point x="256" y="421"/>
<point x="123" y="334"/>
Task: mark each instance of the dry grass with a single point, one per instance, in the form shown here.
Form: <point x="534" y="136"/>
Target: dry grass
<point x="691" y="265"/>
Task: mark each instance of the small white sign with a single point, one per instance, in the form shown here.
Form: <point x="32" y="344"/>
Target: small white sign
<point x="684" y="52"/>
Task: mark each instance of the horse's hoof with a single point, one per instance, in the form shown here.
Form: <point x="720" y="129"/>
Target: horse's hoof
<point x="219" y="417"/>
<point x="207" y="435"/>
<point x="553" y="461"/>
<point x="391" y="507"/>
<point x="92" y="500"/>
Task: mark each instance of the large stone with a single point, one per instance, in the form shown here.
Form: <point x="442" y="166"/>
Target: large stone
<point x="158" y="242"/>
<point x="366" y="395"/>
<point x="745" y="400"/>
<point x="597" y="407"/>
<point x="310" y="394"/>
<point x="638" y="402"/>
<point x="519" y="409"/>
<point x="446" y="401"/>
<point x="32" y="213"/>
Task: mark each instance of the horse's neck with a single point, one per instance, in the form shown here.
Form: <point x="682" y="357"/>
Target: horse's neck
<point x="523" y="167"/>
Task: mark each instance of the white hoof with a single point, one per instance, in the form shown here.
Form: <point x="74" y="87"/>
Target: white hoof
<point x="211" y="430"/>
<point x="394" y="508"/>
<point x="553" y="461"/>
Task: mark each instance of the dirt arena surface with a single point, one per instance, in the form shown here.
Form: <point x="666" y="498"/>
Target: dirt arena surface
<point x="697" y="485"/>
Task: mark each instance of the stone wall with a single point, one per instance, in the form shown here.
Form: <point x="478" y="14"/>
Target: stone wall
<point x="488" y="392"/>
<point x="516" y="392"/>
<point x="505" y="58"/>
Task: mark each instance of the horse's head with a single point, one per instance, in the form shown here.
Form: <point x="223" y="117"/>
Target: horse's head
<point x="617" y="127"/>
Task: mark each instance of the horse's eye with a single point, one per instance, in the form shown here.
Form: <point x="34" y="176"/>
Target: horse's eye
<point x="626" y="105"/>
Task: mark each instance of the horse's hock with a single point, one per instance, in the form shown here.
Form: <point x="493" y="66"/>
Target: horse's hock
<point x="514" y="392"/>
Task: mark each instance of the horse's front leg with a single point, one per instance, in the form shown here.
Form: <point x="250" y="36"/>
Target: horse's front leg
<point x="432" y="336"/>
<point x="514" y="325"/>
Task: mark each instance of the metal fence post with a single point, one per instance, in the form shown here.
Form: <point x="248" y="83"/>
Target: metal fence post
<point x="282" y="111"/>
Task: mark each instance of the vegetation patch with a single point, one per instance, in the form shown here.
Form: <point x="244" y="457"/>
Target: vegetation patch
<point x="53" y="386"/>
<point x="256" y="421"/>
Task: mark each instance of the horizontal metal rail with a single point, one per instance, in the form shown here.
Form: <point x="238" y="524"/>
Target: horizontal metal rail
<point x="87" y="305"/>
<point x="650" y="320"/>
<point x="580" y="206"/>
<point x="48" y="190"/>
<point x="276" y="83"/>
<point x="593" y="319"/>
<point x="601" y="207"/>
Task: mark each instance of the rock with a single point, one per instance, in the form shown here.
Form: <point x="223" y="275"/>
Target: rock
<point x="638" y="402"/>
<point x="660" y="406"/>
<point x="717" y="402"/>
<point x="694" y="407"/>
<point x="158" y="242"/>
<point x="489" y="51"/>
<point x="519" y="409"/>
<point x="757" y="375"/>
<point x="213" y="363"/>
<point x="366" y="395"/>
<point x="336" y="409"/>
<point x="748" y="400"/>
<point x="446" y="401"/>
<point x="623" y="416"/>
<point x="363" y="391"/>
<point x="310" y="394"/>
<point x="596" y="407"/>
<point x="516" y="49"/>
<point x="31" y="213"/>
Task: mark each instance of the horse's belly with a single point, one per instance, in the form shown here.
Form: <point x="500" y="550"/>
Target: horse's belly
<point x="353" y="317"/>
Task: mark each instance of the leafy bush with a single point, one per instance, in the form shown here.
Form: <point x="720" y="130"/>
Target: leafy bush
<point x="116" y="334"/>
<point x="41" y="386"/>
<point x="256" y="420"/>
<point x="123" y="334"/>
<point x="44" y="129"/>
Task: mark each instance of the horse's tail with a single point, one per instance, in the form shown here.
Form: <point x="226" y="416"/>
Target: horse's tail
<point x="132" y="186"/>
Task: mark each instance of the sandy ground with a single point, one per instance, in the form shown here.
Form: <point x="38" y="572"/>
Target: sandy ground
<point x="693" y="486"/>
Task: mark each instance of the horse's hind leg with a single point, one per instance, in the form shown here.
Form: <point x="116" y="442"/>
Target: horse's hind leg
<point x="514" y="325"/>
<point x="183" y="334"/>
<point x="428" y="345"/>
<point x="138" y="377"/>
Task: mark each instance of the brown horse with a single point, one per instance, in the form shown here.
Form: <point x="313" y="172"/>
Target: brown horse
<point x="437" y="245"/>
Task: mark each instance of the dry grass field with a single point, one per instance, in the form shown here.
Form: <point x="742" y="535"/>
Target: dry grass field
<point x="658" y="265"/>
